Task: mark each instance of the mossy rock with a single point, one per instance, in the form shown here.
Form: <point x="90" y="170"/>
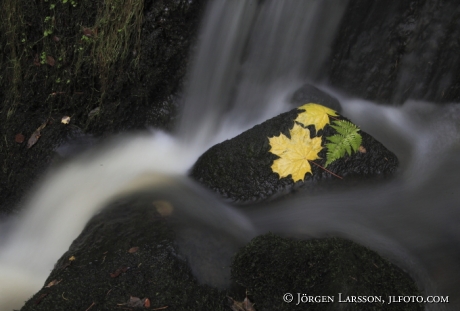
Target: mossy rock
<point x="125" y="60"/>
<point x="240" y="169"/>
<point x="271" y="266"/>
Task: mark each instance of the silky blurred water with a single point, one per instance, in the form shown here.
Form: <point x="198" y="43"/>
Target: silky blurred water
<point x="248" y="64"/>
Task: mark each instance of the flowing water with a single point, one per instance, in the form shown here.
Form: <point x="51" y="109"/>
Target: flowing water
<point x="251" y="57"/>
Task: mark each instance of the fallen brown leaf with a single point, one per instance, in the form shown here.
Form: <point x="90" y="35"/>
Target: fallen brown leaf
<point x="89" y="32"/>
<point x="136" y="302"/>
<point x="245" y="305"/>
<point x="164" y="208"/>
<point x="39" y="299"/>
<point x="133" y="249"/>
<point x="52" y="283"/>
<point x="65" y="265"/>
<point x="36" y="135"/>
<point x="119" y="271"/>
<point x="33" y="139"/>
<point x="50" y="60"/>
<point x="19" y="138"/>
<point x="56" y="93"/>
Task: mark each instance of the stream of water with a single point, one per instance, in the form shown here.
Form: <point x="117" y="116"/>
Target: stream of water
<point x="251" y="57"/>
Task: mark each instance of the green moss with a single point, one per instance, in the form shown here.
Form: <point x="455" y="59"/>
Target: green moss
<point x="117" y="37"/>
<point x="86" y="45"/>
<point x="12" y="24"/>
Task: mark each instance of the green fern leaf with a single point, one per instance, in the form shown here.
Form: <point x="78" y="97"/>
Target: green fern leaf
<point x="346" y="141"/>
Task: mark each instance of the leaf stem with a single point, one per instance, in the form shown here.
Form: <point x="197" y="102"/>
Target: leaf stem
<point x="337" y="119"/>
<point x="326" y="169"/>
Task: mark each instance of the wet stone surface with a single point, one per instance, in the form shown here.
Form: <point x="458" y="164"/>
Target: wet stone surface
<point x="240" y="169"/>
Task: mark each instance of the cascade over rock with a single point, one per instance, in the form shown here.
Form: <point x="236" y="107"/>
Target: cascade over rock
<point x="128" y="251"/>
<point x="129" y="257"/>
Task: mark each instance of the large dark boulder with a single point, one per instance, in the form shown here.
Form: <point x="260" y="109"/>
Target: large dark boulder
<point x="271" y="266"/>
<point x="389" y="51"/>
<point x="240" y="169"/>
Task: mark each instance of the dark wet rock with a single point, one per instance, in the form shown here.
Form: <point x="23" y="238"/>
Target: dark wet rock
<point x="132" y="252"/>
<point x="128" y="250"/>
<point x="240" y="170"/>
<point x="271" y="266"/>
<point x="392" y="51"/>
<point x="311" y="94"/>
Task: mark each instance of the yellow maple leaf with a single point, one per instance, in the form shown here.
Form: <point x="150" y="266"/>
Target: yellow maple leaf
<point x="294" y="153"/>
<point x="315" y="114"/>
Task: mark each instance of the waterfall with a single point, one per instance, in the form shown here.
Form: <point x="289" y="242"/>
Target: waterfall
<point x="251" y="56"/>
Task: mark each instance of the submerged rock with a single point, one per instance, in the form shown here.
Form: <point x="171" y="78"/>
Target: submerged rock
<point x="330" y="272"/>
<point x="301" y="148"/>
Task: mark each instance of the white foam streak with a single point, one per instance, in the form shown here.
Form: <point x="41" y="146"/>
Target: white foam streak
<point x="64" y="202"/>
